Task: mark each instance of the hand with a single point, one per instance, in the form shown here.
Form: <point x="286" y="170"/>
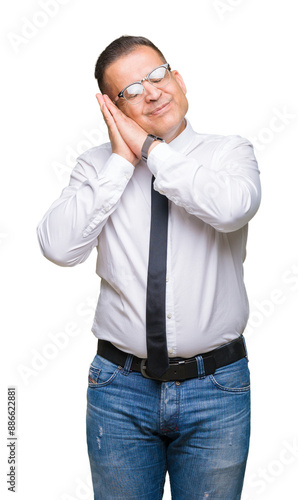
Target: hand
<point x="118" y="144"/>
<point x="131" y="132"/>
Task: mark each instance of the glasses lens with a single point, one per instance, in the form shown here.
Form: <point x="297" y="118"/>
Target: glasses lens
<point x="134" y="92"/>
<point x="160" y="77"/>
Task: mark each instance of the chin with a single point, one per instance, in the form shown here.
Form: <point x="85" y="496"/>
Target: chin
<point x="173" y="129"/>
<point x="167" y="127"/>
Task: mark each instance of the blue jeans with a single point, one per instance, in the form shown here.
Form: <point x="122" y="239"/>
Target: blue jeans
<point x="138" y="429"/>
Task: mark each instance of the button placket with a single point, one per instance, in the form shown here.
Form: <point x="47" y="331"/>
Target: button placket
<point x="171" y="327"/>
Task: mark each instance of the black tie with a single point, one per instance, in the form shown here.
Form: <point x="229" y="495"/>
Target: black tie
<point x="157" y="352"/>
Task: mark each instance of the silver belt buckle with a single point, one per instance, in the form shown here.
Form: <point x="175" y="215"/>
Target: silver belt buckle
<point x="145" y="374"/>
<point x="164" y="378"/>
<point x="143" y="369"/>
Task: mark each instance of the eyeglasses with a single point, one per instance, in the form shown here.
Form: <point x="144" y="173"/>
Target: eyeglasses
<point x="134" y="93"/>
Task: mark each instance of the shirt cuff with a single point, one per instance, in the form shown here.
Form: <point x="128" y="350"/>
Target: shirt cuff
<point x="117" y="168"/>
<point x="158" y="155"/>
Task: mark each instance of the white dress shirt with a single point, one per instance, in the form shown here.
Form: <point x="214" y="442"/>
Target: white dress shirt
<point x="213" y="185"/>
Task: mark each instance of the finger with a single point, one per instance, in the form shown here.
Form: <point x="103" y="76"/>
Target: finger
<point x="114" y="110"/>
<point x="108" y="101"/>
<point x="107" y="116"/>
<point x="100" y="101"/>
<point x="102" y="105"/>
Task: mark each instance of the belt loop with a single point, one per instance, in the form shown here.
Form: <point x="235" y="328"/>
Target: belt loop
<point x="245" y="347"/>
<point x="127" y="365"/>
<point x="201" y="369"/>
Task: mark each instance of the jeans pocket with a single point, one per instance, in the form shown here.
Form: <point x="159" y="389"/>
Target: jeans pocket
<point x="101" y="372"/>
<point x="233" y="378"/>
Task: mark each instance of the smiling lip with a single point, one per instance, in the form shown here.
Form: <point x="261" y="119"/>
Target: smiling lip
<point x="158" y="110"/>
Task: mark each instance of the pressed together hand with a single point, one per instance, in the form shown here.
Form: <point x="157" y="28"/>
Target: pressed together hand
<point x="126" y="136"/>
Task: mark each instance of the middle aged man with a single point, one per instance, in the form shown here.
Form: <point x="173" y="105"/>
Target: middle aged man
<point x="169" y="385"/>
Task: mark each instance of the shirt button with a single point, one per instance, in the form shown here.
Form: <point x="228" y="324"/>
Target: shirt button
<point x="171" y="350"/>
<point x="127" y="176"/>
<point x="169" y="315"/>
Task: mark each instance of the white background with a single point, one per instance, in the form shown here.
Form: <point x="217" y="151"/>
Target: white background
<point x="239" y="62"/>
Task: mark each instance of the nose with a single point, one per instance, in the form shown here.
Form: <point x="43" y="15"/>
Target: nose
<point x="151" y="93"/>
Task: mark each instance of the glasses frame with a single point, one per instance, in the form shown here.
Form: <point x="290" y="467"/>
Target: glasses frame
<point x="121" y="94"/>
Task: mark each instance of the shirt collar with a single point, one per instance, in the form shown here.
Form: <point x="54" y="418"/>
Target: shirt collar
<point x="183" y="140"/>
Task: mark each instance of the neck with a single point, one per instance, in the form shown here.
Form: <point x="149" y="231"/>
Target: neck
<point x="171" y="135"/>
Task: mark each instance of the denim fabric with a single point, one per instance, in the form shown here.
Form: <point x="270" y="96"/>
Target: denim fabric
<point x="138" y="429"/>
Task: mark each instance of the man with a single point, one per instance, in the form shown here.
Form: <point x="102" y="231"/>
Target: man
<point x="169" y="385"/>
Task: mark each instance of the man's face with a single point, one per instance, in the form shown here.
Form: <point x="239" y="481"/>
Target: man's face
<point x="162" y="111"/>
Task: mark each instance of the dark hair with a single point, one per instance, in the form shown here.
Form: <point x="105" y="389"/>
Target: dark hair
<point x="119" y="47"/>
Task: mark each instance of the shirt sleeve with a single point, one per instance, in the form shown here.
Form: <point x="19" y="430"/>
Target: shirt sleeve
<point x="223" y="191"/>
<point x="70" y="228"/>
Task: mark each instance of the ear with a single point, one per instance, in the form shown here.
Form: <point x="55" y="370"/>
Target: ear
<point x="179" y="80"/>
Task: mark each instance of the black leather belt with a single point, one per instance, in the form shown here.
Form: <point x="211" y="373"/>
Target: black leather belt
<point x="180" y="368"/>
